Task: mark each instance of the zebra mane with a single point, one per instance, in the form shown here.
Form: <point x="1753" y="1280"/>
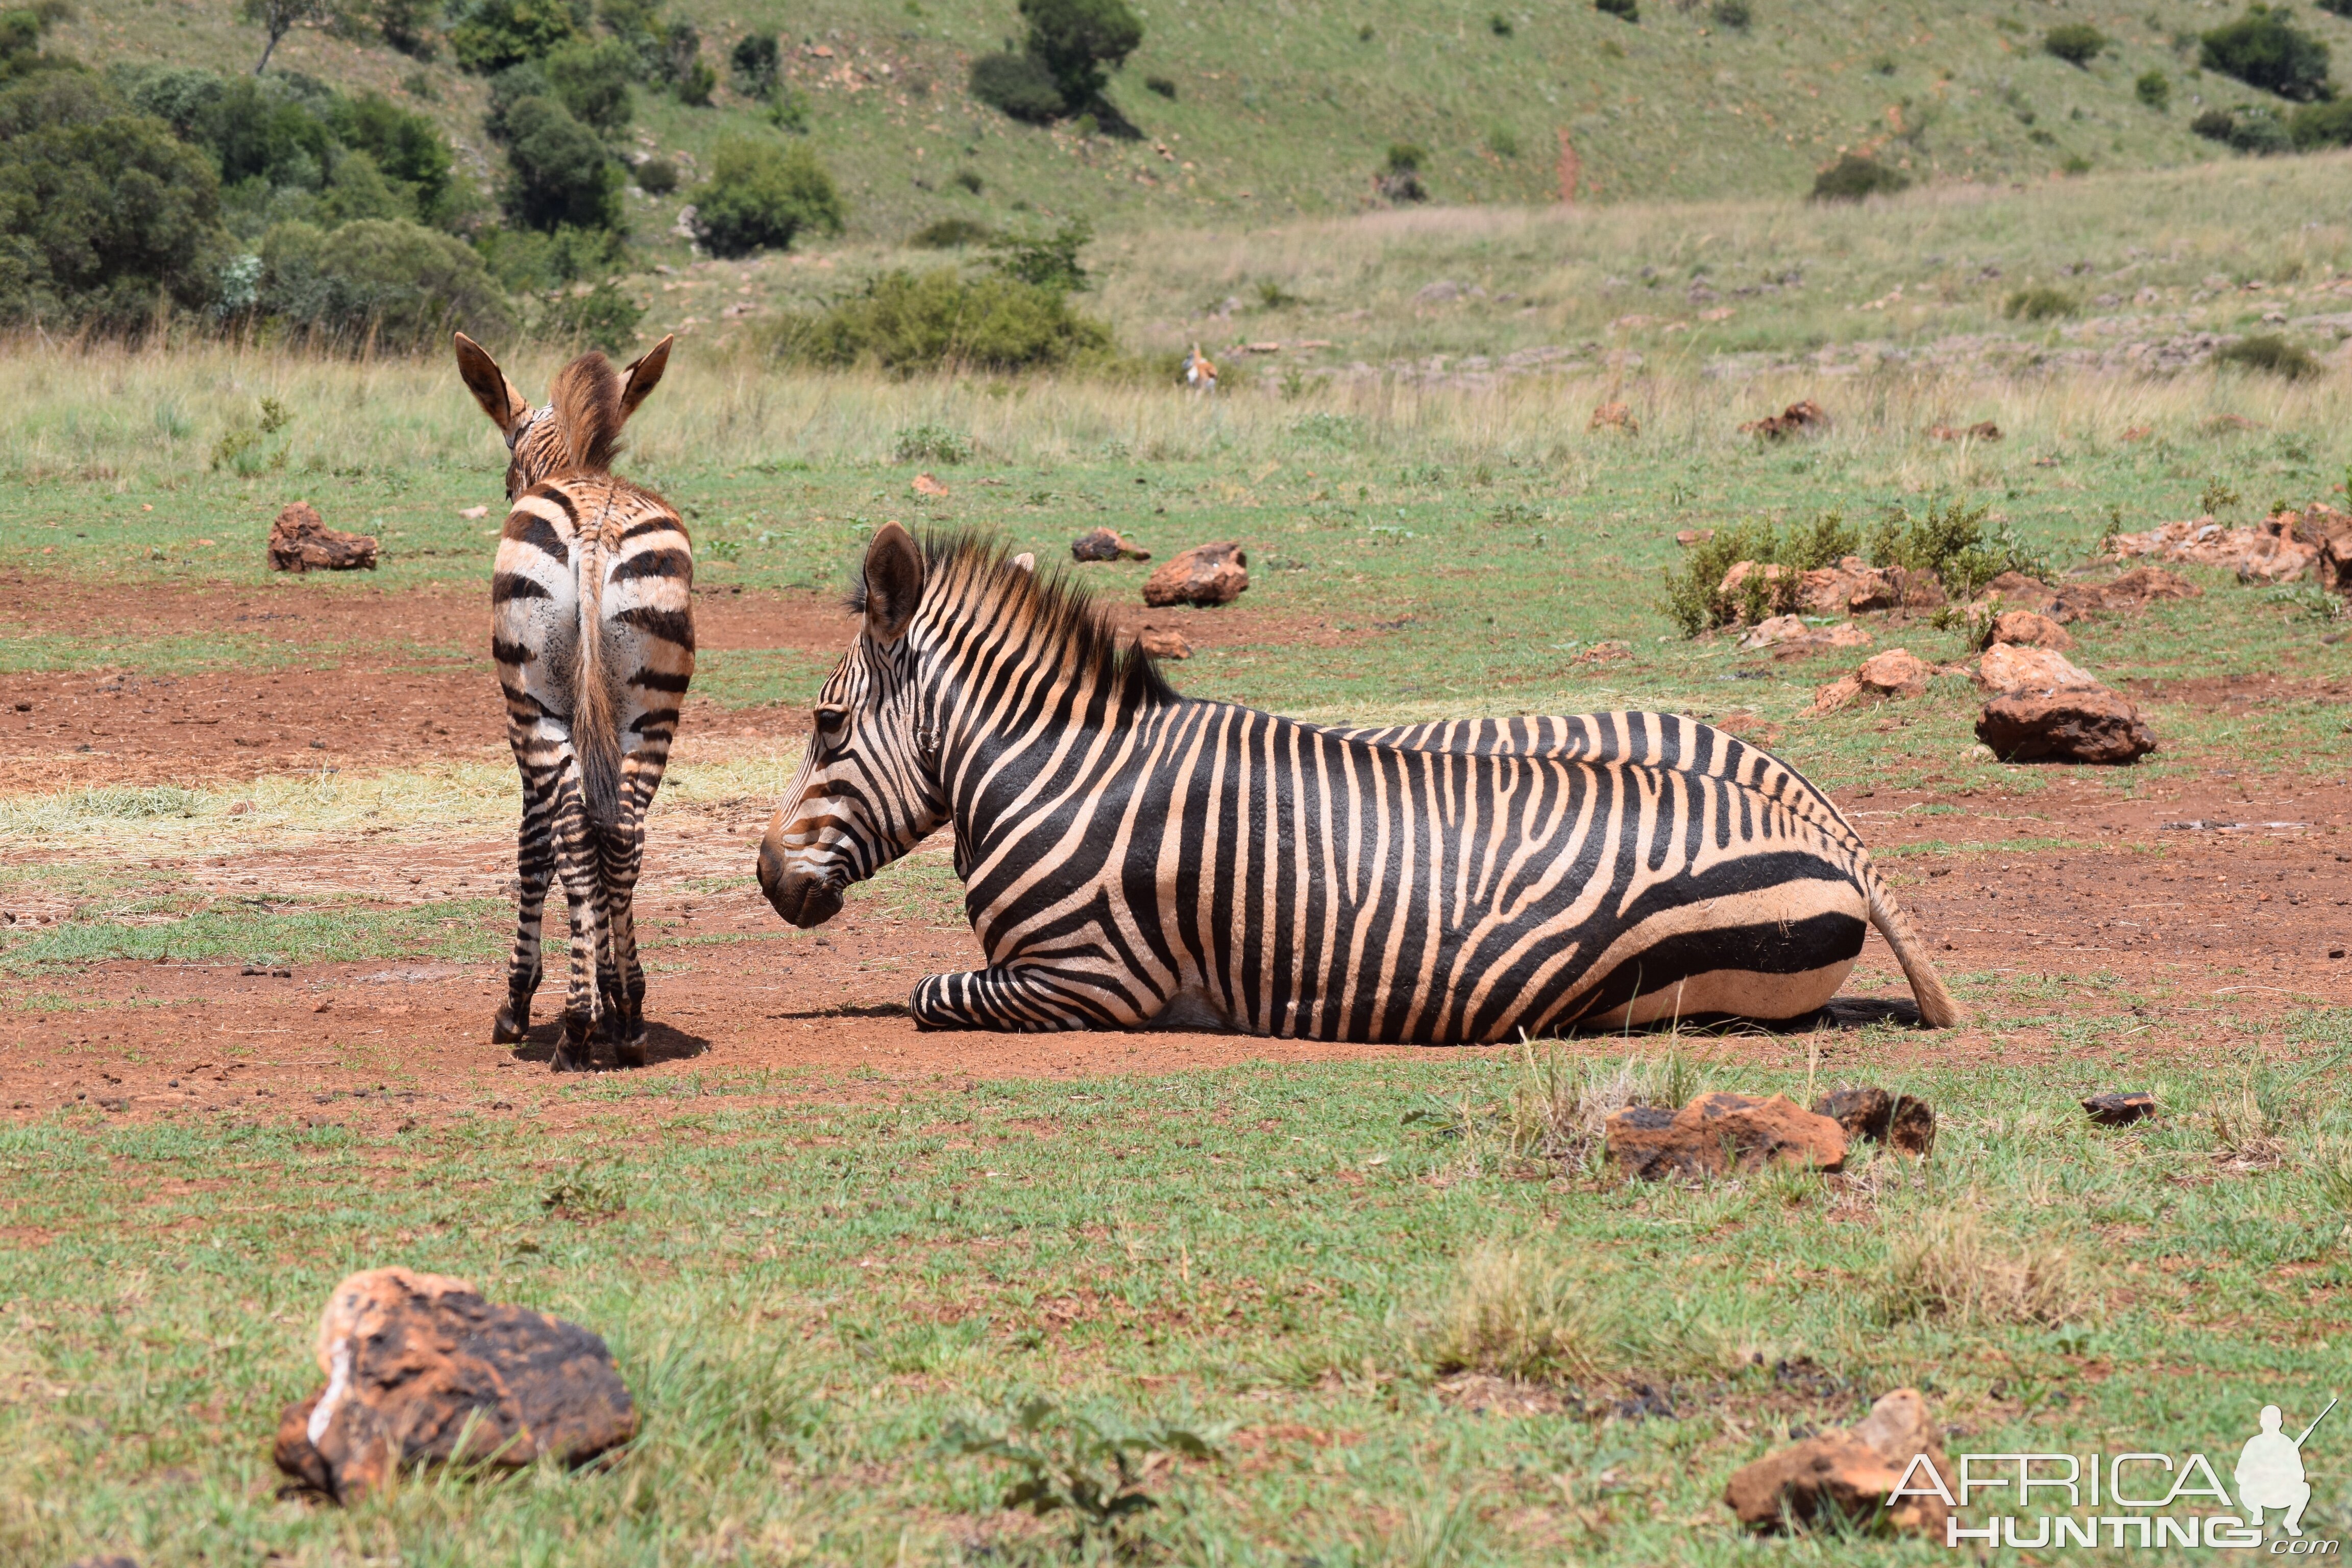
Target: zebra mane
<point x="586" y="399"/>
<point x="967" y="570"/>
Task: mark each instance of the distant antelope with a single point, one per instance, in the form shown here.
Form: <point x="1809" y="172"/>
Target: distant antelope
<point x="1199" y="373"/>
<point x="592" y="629"/>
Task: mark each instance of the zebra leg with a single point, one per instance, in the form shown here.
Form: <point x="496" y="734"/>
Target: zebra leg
<point x="575" y="862"/>
<point x="622" y="854"/>
<point x="534" y="864"/>
<point x="1001" y="998"/>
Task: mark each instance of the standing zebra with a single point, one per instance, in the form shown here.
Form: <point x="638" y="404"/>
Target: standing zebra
<point x="1133" y="858"/>
<point x="592" y="630"/>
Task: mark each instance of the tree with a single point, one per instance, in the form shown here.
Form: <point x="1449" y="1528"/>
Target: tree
<point x="592" y="80"/>
<point x="404" y="285"/>
<point x="497" y="34"/>
<point x="1080" y="42"/>
<point x="760" y="195"/>
<point x="561" y="173"/>
<point x="2264" y="48"/>
<point x="1017" y="85"/>
<point x="753" y="64"/>
<point x="277" y="18"/>
<point x="2076" y="43"/>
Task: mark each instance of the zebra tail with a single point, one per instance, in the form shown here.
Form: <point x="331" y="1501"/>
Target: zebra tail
<point x="595" y="730"/>
<point x="1938" y="1009"/>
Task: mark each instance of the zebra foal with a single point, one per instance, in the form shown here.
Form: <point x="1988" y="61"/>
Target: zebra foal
<point x="592" y="631"/>
<point x="1131" y="858"/>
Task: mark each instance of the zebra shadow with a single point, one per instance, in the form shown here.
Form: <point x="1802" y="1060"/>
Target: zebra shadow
<point x="663" y="1044"/>
<point x="1843" y="1012"/>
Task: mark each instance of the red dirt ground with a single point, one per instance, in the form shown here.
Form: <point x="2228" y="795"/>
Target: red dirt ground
<point x="2149" y="938"/>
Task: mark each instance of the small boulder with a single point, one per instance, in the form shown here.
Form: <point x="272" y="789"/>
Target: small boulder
<point x="2007" y="667"/>
<point x="1778" y="595"/>
<point x="1903" y="1123"/>
<point x="1921" y="590"/>
<point x="300" y="541"/>
<point x="1982" y="430"/>
<point x="2020" y="590"/>
<point x="1776" y="629"/>
<point x="1897" y="672"/>
<point x="2068" y="725"/>
<point x="2133" y="592"/>
<point x="418" y="1364"/>
<point x="1851" y="587"/>
<point x="1717" y="1133"/>
<point x="2328" y="532"/>
<point x="473" y="513"/>
<point x="2032" y="628"/>
<point x="1800" y="418"/>
<point x="1105" y="545"/>
<point x="2114" y="1109"/>
<point x="925" y="485"/>
<point x="1617" y="416"/>
<point x="1214" y="573"/>
<point x="1850" y="1476"/>
<point x="1162" y="644"/>
<point x="1687" y="537"/>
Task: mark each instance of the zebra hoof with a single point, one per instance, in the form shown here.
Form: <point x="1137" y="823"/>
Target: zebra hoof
<point x="630" y="1053"/>
<point x="510" y="1027"/>
<point x="569" y="1058"/>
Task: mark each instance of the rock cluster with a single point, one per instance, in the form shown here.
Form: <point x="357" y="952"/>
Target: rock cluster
<point x="300" y="541"/>
<point x="1800" y="418"/>
<point x="2286" y="547"/>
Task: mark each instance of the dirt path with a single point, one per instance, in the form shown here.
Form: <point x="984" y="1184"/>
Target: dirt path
<point x="2143" y="937"/>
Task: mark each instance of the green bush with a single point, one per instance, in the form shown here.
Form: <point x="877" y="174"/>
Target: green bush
<point x="1855" y="177"/>
<point x="950" y="234"/>
<point x="2040" y="303"/>
<point x="1166" y="86"/>
<point x="2270" y="353"/>
<point x="496" y="34"/>
<point x="559" y="173"/>
<point x="2249" y="128"/>
<point x="1694" y="600"/>
<point x="394" y="284"/>
<point x="1405" y="158"/>
<point x="2264" y="48"/>
<point x="406" y="26"/>
<point x="1048" y="262"/>
<point x="2317" y="125"/>
<point x="1503" y="141"/>
<point x="1623" y="10"/>
<point x="760" y="195"/>
<point x="791" y="112"/>
<point x="1499" y="25"/>
<point x="604" y="317"/>
<point x="1953" y="541"/>
<point x="406" y="147"/>
<point x="907" y="323"/>
<point x="658" y="176"/>
<point x="970" y="179"/>
<point x="526" y="260"/>
<point x="103" y="212"/>
<point x="931" y="443"/>
<point x="2076" y="43"/>
<point x="2153" y="88"/>
<point x="592" y="80"/>
<point x="752" y="64"/>
<point x="1733" y="15"/>
<point x="1017" y="85"/>
<point x="1080" y="43"/>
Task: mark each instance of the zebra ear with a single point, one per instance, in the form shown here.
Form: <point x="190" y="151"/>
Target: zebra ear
<point x="490" y="386"/>
<point x="640" y="380"/>
<point x="893" y="582"/>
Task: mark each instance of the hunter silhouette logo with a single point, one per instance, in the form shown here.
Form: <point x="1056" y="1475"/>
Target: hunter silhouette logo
<point x="2270" y="1472"/>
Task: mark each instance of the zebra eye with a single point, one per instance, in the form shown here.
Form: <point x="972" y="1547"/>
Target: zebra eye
<point x="832" y="720"/>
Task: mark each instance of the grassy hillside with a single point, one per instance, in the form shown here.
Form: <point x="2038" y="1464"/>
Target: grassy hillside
<point x="1285" y="111"/>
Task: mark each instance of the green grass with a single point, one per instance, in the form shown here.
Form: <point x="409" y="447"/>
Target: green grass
<point x="271" y="929"/>
<point x="804" y="1294"/>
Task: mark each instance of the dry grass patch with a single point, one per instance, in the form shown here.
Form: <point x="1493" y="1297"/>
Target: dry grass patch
<point x="1511" y="1313"/>
<point x="1946" y="1266"/>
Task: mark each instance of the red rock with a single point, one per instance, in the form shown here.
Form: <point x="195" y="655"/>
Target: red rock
<point x="1105" y="544"/>
<point x="1903" y="1123"/>
<point x="2112" y="1109"/>
<point x="1778" y="595"/>
<point x="2273" y="551"/>
<point x="415" y="1363"/>
<point x="1162" y="644"/>
<point x="1802" y="417"/>
<point x="1719" y="1132"/>
<point x="1851" y="587"/>
<point x="2026" y="626"/>
<point x="1916" y="590"/>
<point x="1618" y="416"/>
<point x="2010" y="667"/>
<point x="1982" y="430"/>
<point x="2069" y="725"/>
<point x="2017" y="589"/>
<point x="2133" y="592"/>
<point x="1897" y="672"/>
<point x="2328" y="532"/>
<point x="1687" y="537"/>
<point x="926" y="486"/>
<point x="1205" y="575"/>
<point x="300" y="541"/>
<point x="1849" y="1476"/>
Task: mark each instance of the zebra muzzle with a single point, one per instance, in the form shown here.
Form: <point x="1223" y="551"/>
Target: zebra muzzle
<point x="802" y="899"/>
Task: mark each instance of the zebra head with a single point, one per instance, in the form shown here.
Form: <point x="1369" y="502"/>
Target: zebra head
<point x="581" y="426"/>
<point x="868" y="789"/>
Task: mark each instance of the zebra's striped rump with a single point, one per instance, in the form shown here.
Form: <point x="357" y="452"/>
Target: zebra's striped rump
<point x="1133" y="858"/>
<point x="593" y="633"/>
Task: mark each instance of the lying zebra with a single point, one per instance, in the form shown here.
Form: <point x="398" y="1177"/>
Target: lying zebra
<point x="1131" y="858"/>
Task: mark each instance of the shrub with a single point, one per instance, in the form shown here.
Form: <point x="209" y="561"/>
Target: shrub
<point x="1733" y="14"/>
<point x="2315" y="125"/>
<point x="1017" y="85"/>
<point x="680" y="64"/>
<point x="2248" y="128"/>
<point x="1166" y="86"/>
<point x="2264" y="48"/>
<point x="906" y="323"/>
<point x="101" y="210"/>
<point x="1051" y="262"/>
<point x="2039" y="303"/>
<point x="1513" y="1314"/>
<point x="398" y="284"/>
<point x="1080" y="43"/>
<point x="1623" y="10"/>
<point x="592" y="80"/>
<point x="931" y="443"/>
<point x="526" y="260"/>
<point x="1405" y="158"/>
<point x="406" y="26"/>
<point x="1946" y="1268"/>
<point x="1503" y="141"/>
<point x="508" y="88"/>
<point x="789" y="111"/>
<point x="950" y="234"/>
<point x="1854" y="177"/>
<point x="2269" y="353"/>
<point x="2153" y="88"/>
<point x="604" y="318"/>
<point x="496" y="34"/>
<point x="1499" y="25"/>
<point x="970" y="179"/>
<point x="758" y="195"/>
<point x="752" y="64"/>
<point x="559" y="171"/>
<point x="1693" y="590"/>
<point x="2076" y="43"/>
<point x="1953" y="541"/>
<point x="406" y="147"/>
<point x="658" y="176"/>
